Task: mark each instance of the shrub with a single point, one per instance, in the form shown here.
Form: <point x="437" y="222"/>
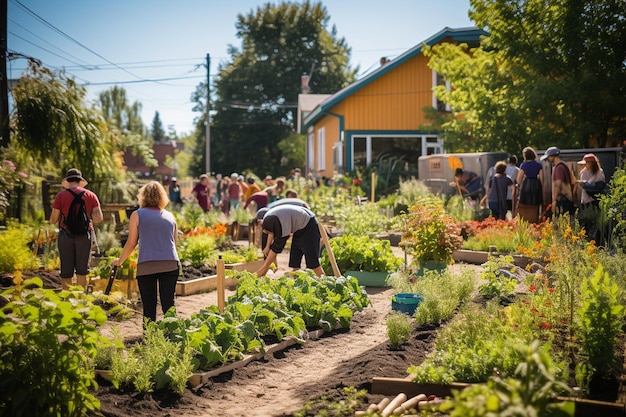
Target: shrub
<point x="15" y="254"/>
<point x="48" y="341"/>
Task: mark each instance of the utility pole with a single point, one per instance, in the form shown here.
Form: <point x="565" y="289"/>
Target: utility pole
<point x="4" y="84"/>
<point x="208" y="114"/>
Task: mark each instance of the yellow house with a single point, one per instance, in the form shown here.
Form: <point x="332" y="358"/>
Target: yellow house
<point x="380" y="114"/>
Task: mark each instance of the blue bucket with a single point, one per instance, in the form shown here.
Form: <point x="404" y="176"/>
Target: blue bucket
<point x="405" y="302"/>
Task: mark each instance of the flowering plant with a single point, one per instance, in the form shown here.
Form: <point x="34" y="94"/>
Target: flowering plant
<point x="9" y="178"/>
<point x="429" y="233"/>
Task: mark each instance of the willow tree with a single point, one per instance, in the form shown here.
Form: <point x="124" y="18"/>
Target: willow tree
<point x="549" y="73"/>
<point x="257" y="90"/>
<point x="54" y="128"/>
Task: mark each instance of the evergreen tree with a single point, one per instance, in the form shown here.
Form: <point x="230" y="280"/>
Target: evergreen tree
<point x="158" y="133"/>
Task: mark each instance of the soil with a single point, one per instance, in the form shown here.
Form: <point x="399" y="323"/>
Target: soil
<point x="281" y="383"/>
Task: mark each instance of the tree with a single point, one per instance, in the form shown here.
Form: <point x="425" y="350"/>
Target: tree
<point x="257" y="91"/>
<point x="549" y="73"/>
<point x="158" y="133"/>
<point x="54" y="128"/>
<point x="117" y="112"/>
<point x="125" y="122"/>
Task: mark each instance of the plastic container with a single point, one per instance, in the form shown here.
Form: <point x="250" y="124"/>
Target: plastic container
<point x="405" y="302"/>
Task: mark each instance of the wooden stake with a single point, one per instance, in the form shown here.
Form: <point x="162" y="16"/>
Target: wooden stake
<point x="221" y="286"/>
<point x="329" y="250"/>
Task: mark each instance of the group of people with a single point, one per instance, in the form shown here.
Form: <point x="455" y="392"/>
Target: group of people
<point x="153" y="228"/>
<point x="230" y="193"/>
<point x="519" y="190"/>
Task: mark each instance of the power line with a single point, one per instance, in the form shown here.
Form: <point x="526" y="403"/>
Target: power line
<point x="59" y="31"/>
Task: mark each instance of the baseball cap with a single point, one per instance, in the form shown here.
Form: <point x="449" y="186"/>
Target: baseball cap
<point x="551" y="151"/>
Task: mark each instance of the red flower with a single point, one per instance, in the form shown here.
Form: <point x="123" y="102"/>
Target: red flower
<point x="532" y="288"/>
<point x="544" y="325"/>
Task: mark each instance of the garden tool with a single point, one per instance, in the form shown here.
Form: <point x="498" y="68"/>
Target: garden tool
<point x="329" y="250"/>
<point x="107" y="291"/>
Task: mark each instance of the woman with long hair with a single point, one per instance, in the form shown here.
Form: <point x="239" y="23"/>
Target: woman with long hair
<point x="158" y="265"/>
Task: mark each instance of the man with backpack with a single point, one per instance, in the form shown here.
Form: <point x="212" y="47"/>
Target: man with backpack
<point x="75" y="209"/>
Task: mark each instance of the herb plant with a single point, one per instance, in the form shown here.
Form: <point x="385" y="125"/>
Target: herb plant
<point x="398" y="328"/>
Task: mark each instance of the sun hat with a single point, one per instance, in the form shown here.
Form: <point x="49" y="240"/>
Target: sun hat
<point x="173" y="179"/>
<point x="234" y="175"/>
<point x="551" y="151"/>
<point x="73" y="175"/>
<point x="588" y="158"/>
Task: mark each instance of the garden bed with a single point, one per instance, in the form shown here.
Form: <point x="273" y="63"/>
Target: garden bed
<point x="480" y="257"/>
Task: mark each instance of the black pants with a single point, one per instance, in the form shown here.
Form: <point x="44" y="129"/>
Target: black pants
<point x="166" y="282"/>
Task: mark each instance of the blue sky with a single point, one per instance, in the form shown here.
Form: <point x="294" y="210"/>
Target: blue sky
<point x="156" y="49"/>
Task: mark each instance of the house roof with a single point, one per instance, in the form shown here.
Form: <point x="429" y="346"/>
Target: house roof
<point x="462" y="35"/>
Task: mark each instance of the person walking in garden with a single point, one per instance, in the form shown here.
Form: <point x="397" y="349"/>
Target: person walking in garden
<point x="175" y="196"/>
<point x="530" y="186"/>
<point x="497" y="186"/>
<point x="202" y="193"/>
<point x="158" y="264"/>
<point x="512" y="170"/>
<point x="284" y="220"/>
<point x="563" y="183"/>
<point x="74" y="248"/>
<point x="234" y="192"/>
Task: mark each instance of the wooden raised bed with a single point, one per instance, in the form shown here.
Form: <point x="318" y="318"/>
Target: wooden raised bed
<point x="246" y="266"/>
<point x="480" y="257"/>
<point x="394" y="386"/>
<point x="204" y="284"/>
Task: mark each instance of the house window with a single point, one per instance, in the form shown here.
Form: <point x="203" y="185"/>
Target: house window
<point x="321" y="149"/>
<point x="437" y="81"/>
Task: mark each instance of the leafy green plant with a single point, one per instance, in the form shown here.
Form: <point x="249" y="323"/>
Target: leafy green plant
<point x="398" y="328"/>
<point x="361" y="253"/>
<point x="197" y="250"/>
<point x="530" y="391"/>
<point x="601" y="318"/>
<point x="48" y="342"/>
<point x="500" y="281"/>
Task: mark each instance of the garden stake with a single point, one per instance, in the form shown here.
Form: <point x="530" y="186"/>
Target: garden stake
<point x="220" y="284"/>
<point x="329" y="250"/>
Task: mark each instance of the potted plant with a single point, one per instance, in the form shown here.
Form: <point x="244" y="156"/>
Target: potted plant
<point x="368" y="259"/>
<point x="430" y="235"/>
